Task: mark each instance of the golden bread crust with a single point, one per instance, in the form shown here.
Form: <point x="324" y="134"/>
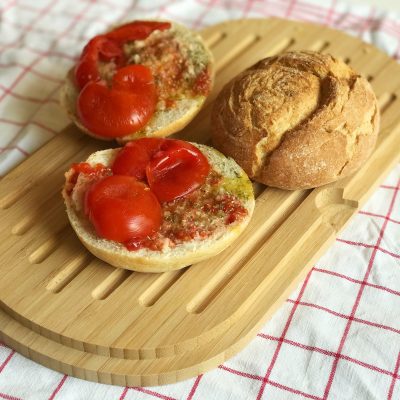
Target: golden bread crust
<point x="297" y="120"/>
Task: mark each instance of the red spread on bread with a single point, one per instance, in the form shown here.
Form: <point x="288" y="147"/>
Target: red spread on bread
<point x="197" y="215"/>
<point x="97" y="170"/>
<point x="164" y="55"/>
<point x="180" y="202"/>
<point x="202" y="83"/>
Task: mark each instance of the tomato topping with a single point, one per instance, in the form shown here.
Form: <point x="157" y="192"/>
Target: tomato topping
<point x="109" y="47"/>
<point x="173" y="168"/>
<point x="86" y="168"/>
<point x="137" y="30"/>
<point x="133" y="158"/>
<point x="98" y="48"/>
<point x="86" y="71"/>
<point x="176" y="170"/>
<point x="101" y="47"/>
<point x="121" y="208"/>
<point x="134" y="77"/>
<point x="124" y="108"/>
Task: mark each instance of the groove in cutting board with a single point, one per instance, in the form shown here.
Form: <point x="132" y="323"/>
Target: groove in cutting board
<point x="243" y="45"/>
<point x="153" y="293"/>
<point x="38" y="215"/>
<point x="213" y="40"/>
<point x="69" y="272"/>
<point x="8" y="200"/>
<point x="48" y="247"/>
<point x="23" y="225"/>
<point x="111" y="283"/>
<point x="385" y="101"/>
<point x="320" y="46"/>
<point x="70" y="148"/>
<point x="42" y="222"/>
<point x="147" y="329"/>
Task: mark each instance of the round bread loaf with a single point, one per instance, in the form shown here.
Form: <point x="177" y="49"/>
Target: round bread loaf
<point x="297" y="120"/>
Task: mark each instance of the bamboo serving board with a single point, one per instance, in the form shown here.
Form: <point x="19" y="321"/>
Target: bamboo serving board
<point x="71" y="312"/>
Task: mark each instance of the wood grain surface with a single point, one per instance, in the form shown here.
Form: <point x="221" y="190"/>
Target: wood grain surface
<point x="71" y="312"/>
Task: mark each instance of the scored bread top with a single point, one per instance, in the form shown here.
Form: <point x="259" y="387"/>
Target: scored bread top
<point x="234" y="182"/>
<point x="167" y="119"/>
<point x="297" y="120"/>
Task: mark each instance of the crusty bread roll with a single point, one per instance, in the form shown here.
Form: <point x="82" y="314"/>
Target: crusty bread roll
<point x="297" y="120"/>
<point x="234" y="182"/>
<point x="166" y="119"/>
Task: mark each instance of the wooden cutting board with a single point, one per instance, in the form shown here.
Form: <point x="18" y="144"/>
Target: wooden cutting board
<point x="71" y="312"/>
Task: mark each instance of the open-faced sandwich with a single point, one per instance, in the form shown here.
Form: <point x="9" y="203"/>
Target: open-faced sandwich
<point x="157" y="204"/>
<point x="141" y="79"/>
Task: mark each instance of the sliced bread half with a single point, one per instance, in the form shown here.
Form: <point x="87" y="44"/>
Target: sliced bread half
<point x="174" y="53"/>
<point x="233" y="182"/>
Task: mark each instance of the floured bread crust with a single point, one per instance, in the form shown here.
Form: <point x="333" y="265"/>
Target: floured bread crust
<point x="297" y="120"/>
